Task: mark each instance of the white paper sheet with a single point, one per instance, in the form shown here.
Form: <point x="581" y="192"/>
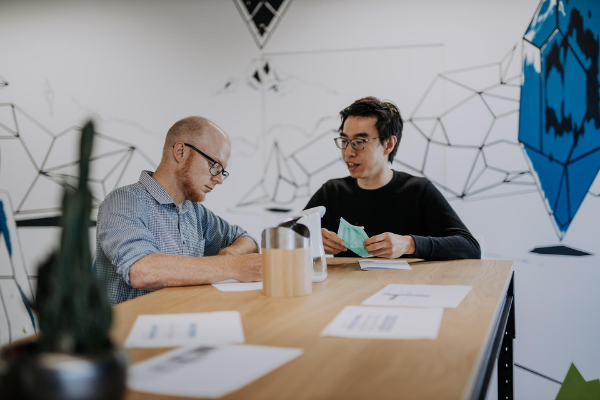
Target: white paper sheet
<point x="376" y="265"/>
<point x="207" y="371"/>
<point x="385" y="323"/>
<point x="170" y="330"/>
<point x="418" y="296"/>
<point x="232" y="285"/>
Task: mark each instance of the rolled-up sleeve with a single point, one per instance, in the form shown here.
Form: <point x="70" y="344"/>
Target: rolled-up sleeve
<point x="122" y="232"/>
<point x="218" y="233"/>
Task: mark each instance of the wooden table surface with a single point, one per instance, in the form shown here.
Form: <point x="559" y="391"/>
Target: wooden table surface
<point x="341" y="368"/>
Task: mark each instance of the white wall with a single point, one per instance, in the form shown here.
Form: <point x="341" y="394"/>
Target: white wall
<point x="136" y="67"/>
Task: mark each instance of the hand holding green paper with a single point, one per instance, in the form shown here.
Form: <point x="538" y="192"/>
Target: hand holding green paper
<point x="354" y="236"/>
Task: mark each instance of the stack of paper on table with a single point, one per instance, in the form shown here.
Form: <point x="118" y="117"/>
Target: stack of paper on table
<point x="232" y="285"/>
<point x="171" y="330"/>
<point x="373" y="265"/>
<point x="207" y="371"/>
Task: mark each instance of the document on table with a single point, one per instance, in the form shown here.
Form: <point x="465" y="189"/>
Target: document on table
<point x="232" y="285"/>
<point x="418" y="296"/>
<point x="374" y="265"/>
<point x="385" y="323"/>
<point x="170" y="330"/>
<point x="207" y="371"/>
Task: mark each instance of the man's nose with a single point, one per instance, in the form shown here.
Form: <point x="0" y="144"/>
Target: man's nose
<point x="218" y="179"/>
<point x="349" y="151"/>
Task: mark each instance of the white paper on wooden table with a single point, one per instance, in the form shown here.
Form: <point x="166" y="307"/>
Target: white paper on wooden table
<point x="447" y="296"/>
<point x="171" y="330"/>
<point x="385" y="323"/>
<point x="207" y="371"/>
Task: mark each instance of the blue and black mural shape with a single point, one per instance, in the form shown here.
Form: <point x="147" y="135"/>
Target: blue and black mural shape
<point x="4" y="233"/>
<point x="262" y="17"/>
<point x="560" y="109"/>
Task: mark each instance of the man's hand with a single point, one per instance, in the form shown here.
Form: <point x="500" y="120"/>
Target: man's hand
<point x="248" y="268"/>
<point x="390" y="245"/>
<point x="332" y="243"/>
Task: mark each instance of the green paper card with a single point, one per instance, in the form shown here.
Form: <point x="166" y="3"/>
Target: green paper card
<point x="354" y="236"/>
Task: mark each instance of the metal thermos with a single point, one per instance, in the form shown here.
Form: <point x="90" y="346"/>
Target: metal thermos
<point x="287" y="261"/>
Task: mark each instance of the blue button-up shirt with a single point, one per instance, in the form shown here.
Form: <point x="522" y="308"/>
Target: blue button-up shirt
<point x="142" y="219"/>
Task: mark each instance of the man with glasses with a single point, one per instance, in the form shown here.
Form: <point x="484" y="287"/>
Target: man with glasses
<point x="402" y="214"/>
<point x="155" y="233"/>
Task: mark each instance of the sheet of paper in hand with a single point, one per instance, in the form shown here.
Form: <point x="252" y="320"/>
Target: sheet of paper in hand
<point x="354" y="236"/>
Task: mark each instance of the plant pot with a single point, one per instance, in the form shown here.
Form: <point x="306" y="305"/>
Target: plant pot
<point x="27" y="374"/>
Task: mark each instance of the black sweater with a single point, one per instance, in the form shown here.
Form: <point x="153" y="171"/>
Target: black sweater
<point x="408" y="205"/>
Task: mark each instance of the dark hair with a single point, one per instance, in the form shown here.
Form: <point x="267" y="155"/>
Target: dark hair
<point x="389" y="121"/>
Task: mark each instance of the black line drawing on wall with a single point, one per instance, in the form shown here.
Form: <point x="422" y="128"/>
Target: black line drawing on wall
<point x="47" y="163"/>
<point x="55" y="170"/>
<point x="262" y="17"/>
<point x="116" y="119"/>
<point x="491" y="151"/>
<point x="434" y="129"/>
<point x="286" y="178"/>
<point x="264" y="74"/>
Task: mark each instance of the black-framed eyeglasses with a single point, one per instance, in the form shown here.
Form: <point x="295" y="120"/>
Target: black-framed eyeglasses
<point x="357" y="144"/>
<point x="216" y="168"/>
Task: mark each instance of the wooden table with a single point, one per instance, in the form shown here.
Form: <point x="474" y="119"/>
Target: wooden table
<point x="450" y="367"/>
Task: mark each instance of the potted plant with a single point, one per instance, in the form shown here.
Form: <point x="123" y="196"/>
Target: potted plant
<point x="73" y="357"/>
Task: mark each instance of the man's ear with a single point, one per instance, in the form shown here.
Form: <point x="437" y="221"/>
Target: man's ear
<point x="390" y="143"/>
<point x="178" y="152"/>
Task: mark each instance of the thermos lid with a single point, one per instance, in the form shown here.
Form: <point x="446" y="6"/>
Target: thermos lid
<point x="295" y="237"/>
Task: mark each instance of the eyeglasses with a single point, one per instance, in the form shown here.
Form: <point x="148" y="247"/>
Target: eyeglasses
<point x="216" y="168"/>
<point x="357" y="144"/>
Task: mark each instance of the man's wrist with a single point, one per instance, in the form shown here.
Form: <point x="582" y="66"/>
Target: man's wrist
<point x="412" y="247"/>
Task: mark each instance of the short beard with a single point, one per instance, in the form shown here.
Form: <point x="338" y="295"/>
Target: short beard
<point x="186" y="183"/>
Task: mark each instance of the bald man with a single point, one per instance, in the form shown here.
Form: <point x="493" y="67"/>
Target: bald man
<point x="155" y="233"/>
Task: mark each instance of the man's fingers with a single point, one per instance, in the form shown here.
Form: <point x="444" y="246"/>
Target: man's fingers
<point x="333" y="245"/>
<point x="374" y="239"/>
<point x="332" y="239"/>
<point x="330" y="250"/>
<point x="385" y="253"/>
<point x="332" y="236"/>
<point x="375" y="246"/>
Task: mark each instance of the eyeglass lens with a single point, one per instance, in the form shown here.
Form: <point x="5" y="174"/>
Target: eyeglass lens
<point x="357" y="144"/>
<point x="217" y="169"/>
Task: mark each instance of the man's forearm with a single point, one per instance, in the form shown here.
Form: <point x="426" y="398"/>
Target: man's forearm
<point x="240" y="246"/>
<point x="156" y="271"/>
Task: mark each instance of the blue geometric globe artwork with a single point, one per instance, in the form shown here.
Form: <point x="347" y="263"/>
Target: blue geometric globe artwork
<point x="559" y="124"/>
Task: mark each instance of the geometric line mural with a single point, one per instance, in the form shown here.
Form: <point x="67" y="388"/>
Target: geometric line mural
<point x="496" y="165"/>
<point x="47" y="163"/>
<point x="482" y="101"/>
<point x="54" y="161"/>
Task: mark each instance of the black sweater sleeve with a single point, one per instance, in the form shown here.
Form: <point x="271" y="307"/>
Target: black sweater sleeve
<point x="447" y="237"/>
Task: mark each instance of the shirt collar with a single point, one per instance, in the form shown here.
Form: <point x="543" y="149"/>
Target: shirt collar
<point x="159" y="193"/>
<point x="154" y="188"/>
